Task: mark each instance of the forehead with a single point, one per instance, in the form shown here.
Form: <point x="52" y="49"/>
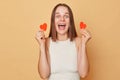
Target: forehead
<point x="62" y="9"/>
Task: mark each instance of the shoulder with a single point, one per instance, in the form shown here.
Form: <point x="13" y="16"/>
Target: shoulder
<point x="47" y="39"/>
<point x="77" y="43"/>
<point x="78" y="40"/>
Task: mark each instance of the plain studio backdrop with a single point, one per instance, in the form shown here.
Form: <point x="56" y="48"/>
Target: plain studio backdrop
<point x="20" y="20"/>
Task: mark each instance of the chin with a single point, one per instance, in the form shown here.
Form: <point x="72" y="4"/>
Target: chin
<point x="62" y="32"/>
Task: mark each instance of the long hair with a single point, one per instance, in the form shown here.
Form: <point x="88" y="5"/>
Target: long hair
<point x="71" y="31"/>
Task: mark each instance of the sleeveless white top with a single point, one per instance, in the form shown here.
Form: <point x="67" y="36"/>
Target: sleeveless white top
<point x="63" y="60"/>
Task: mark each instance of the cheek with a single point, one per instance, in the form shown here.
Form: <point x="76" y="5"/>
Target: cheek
<point x="68" y="24"/>
<point x="68" y="21"/>
<point x="67" y="27"/>
<point x="56" y="21"/>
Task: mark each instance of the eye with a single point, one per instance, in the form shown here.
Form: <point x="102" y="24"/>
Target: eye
<point x="57" y="16"/>
<point x="66" y="16"/>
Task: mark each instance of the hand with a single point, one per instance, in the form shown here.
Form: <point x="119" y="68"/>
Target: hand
<point x="40" y="37"/>
<point x="85" y="35"/>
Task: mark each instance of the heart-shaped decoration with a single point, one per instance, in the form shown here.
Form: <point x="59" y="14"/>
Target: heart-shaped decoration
<point x="82" y="25"/>
<point x="43" y="26"/>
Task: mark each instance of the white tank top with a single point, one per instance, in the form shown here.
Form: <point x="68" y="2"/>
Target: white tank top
<point x="63" y="60"/>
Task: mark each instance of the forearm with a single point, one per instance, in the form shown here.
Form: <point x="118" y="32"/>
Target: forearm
<point x="82" y="61"/>
<point x="43" y="65"/>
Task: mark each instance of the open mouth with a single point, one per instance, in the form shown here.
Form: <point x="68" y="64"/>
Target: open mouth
<point x="61" y="26"/>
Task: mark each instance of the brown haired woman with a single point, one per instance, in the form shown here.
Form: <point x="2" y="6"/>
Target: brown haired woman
<point x="63" y="53"/>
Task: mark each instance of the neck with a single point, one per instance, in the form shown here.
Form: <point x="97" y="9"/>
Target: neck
<point x="62" y="37"/>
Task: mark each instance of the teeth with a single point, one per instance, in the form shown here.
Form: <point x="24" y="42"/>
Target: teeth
<point x="61" y="25"/>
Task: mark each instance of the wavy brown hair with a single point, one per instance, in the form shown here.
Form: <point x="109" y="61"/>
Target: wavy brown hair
<point x="71" y="31"/>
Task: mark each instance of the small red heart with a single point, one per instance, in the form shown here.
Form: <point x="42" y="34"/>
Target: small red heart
<point x="43" y="27"/>
<point x="82" y="25"/>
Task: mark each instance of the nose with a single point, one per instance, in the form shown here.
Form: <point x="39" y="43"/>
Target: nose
<point x="62" y="19"/>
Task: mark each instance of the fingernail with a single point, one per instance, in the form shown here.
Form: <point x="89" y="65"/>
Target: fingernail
<point x="41" y="38"/>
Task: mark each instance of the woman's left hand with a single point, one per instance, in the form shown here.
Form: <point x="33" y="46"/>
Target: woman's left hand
<point x="85" y="35"/>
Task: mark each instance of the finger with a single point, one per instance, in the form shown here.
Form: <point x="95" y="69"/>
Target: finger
<point x="42" y="38"/>
<point x="39" y="33"/>
<point x="85" y="32"/>
<point x="41" y="30"/>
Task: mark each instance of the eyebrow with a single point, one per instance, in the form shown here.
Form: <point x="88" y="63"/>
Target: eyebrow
<point x="59" y="13"/>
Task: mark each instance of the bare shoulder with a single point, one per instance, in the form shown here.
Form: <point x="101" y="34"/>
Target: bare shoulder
<point x="78" y="40"/>
<point x="47" y="41"/>
<point x="47" y="48"/>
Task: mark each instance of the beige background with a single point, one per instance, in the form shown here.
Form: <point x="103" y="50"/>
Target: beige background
<point x="19" y="21"/>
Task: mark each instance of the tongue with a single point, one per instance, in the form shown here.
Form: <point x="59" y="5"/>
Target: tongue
<point x="61" y="27"/>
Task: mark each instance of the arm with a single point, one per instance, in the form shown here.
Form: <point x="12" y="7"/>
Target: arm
<point x="82" y="60"/>
<point x="83" y="65"/>
<point x="43" y="64"/>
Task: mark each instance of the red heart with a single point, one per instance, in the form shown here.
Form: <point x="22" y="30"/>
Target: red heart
<point x="82" y="25"/>
<point x="43" y="27"/>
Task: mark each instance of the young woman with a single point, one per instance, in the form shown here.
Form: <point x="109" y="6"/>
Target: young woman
<point x="62" y="54"/>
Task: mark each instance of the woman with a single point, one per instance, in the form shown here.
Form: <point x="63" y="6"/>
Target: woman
<point x="63" y="53"/>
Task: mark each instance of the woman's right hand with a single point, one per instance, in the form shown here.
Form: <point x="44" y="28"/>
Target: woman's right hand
<point x="40" y="37"/>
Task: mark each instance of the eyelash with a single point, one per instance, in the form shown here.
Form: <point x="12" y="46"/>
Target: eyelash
<point x="65" y="16"/>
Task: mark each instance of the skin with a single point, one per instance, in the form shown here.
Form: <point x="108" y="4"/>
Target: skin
<point x="62" y="17"/>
